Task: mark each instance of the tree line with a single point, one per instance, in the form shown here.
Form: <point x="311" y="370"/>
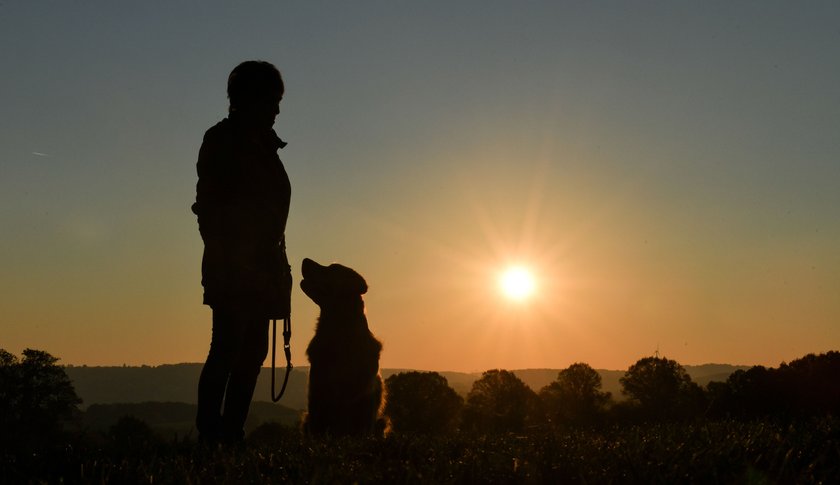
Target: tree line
<point x="38" y="402"/>
<point x="656" y="389"/>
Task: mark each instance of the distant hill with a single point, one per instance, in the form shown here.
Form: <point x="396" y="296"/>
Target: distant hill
<point x="176" y="383"/>
<point x="169" y="383"/>
<point x="536" y="379"/>
<point x="179" y="417"/>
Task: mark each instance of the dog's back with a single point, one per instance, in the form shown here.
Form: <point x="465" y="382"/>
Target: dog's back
<point x="345" y="388"/>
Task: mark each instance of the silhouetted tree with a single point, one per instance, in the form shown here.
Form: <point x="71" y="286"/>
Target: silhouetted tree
<point x="499" y="402"/>
<point x="575" y="397"/>
<point x="9" y="391"/>
<point x="131" y="435"/>
<point x="752" y="392"/>
<point x="804" y="387"/>
<point x="36" y="397"/>
<point x="720" y="398"/>
<point x="813" y="383"/>
<point x="421" y="402"/>
<point x="661" y="388"/>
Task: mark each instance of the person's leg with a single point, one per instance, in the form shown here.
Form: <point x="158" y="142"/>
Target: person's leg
<point x="243" y="376"/>
<point x="224" y="343"/>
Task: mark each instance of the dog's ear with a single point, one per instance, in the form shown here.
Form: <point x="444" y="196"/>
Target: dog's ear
<point x="363" y="287"/>
<point x="348" y="281"/>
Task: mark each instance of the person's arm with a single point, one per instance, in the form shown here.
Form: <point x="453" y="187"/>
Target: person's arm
<point x="213" y="191"/>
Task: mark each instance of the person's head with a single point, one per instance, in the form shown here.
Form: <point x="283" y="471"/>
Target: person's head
<point x="255" y="89"/>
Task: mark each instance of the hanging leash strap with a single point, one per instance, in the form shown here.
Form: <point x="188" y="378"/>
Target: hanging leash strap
<point x="287" y="328"/>
<point x="287" y="337"/>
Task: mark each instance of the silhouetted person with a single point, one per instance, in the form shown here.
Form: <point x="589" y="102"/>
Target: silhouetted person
<point x="242" y="203"/>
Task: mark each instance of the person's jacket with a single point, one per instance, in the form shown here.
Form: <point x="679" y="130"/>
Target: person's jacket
<point x="242" y="204"/>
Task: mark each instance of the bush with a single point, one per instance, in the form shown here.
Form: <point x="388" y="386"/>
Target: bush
<point x="661" y="389"/>
<point x="421" y="403"/>
<point x="575" y="397"/>
<point x="500" y="402"/>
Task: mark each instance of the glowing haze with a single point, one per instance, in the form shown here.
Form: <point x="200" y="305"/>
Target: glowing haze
<point x="669" y="173"/>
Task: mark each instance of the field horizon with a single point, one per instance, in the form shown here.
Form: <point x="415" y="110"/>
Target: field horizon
<point x="177" y="382"/>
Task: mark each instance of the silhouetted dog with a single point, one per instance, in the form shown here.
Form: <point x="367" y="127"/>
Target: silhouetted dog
<point x="345" y="388"/>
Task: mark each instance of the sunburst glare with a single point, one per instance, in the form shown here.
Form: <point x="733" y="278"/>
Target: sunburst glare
<point x="517" y="283"/>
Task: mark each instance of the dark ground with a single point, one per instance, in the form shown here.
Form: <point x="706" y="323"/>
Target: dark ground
<point x="807" y="451"/>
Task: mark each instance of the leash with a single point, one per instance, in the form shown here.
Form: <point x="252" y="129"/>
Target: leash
<point x="287" y="337"/>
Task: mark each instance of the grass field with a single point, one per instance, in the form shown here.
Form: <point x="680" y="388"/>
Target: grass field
<point x="711" y="452"/>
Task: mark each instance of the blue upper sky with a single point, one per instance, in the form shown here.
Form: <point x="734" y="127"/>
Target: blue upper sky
<point x="670" y="168"/>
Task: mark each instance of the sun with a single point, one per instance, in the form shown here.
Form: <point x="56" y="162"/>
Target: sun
<point x="517" y="283"/>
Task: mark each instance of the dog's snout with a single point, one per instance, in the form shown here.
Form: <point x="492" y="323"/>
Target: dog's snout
<point x="308" y="266"/>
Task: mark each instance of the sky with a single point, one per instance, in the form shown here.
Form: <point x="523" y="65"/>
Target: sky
<point x="668" y="171"/>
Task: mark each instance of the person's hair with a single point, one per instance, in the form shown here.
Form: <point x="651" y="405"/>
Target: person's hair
<point x="252" y="80"/>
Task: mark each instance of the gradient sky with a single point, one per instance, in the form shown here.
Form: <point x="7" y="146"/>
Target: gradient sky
<point x="670" y="170"/>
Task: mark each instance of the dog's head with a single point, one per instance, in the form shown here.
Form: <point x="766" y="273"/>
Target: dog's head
<point x="331" y="285"/>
